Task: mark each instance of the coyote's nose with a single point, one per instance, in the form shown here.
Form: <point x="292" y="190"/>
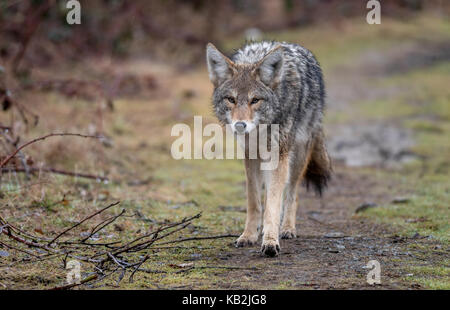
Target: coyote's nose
<point x="240" y="127"/>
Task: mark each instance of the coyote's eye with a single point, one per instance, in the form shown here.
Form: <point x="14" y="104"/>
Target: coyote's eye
<point x="231" y="100"/>
<point x="254" y="101"/>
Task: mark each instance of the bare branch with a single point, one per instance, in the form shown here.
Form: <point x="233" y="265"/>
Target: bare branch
<point x="57" y="171"/>
<point x="84" y="220"/>
<point x="10" y="156"/>
<point x="72" y="285"/>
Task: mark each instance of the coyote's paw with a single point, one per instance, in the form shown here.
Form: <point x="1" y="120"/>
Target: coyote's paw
<point x="270" y="248"/>
<point x="245" y="240"/>
<point x="288" y="233"/>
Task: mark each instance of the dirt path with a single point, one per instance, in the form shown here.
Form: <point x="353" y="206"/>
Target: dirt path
<point x="332" y="246"/>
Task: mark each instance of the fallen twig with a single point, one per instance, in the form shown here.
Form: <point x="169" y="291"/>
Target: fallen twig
<point x="199" y="238"/>
<point x="102" y="225"/>
<point x="155" y="233"/>
<point x="107" y="258"/>
<point x="17" y="249"/>
<point x="10" y="156"/>
<point x="82" y="221"/>
<point x="57" y="171"/>
<point x="72" y="285"/>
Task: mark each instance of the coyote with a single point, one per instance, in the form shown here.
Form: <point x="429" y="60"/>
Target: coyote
<point x="273" y="83"/>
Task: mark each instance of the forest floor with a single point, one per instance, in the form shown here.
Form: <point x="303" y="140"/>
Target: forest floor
<point x="387" y="123"/>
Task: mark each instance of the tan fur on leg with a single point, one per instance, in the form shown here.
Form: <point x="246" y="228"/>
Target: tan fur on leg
<point x="254" y="183"/>
<point x="275" y="187"/>
<point x="299" y="158"/>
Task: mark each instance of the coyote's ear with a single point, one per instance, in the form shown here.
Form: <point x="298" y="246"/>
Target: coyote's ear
<point x="220" y="67"/>
<point x="270" y="67"/>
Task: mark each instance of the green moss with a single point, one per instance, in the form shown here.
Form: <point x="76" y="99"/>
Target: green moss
<point x="431" y="277"/>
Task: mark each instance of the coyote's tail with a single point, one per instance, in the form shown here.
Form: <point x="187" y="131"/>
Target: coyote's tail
<point x="318" y="169"/>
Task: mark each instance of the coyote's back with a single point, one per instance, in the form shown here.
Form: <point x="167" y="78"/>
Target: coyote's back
<point x="301" y="102"/>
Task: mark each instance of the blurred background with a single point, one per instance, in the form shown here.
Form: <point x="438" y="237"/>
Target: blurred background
<point x="133" y="69"/>
<point x="125" y="49"/>
<point x="174" y="30"/>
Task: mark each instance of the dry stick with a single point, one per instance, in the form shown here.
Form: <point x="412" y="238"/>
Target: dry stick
<point x="19" y="231"/>
<point x="69" y="286"/>
<point x="84" y="220"/>
<point x="81" y="243"/>
<point x="162" y="228"/>
<point x="198" y="238"/>
<point x="181" y="247"/>
<point x="138" y="265"/>
<point x="22" y="109"/>
<point x="8" y="233"/>
<point x="144" y="245"/>
<point x="10" y="156"/>
<point x="58" y="171"/>
<point x="26" y="169"/>
<point x="185" y="270"/>
<point x="217" y="267"/>
<point x="46" y="257"/>
<point x="30" y="26"/>
<point x="105" y="223"/>
<point x="117" y="261"/>
<point x="130" y="279"/>
<point x="18" y="249"/>
<point x="112" y="255"/>
<point x="226" y="267"/>
<point x="106" y="275"/>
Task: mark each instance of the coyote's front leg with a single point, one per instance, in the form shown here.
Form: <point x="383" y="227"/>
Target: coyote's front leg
<point x="275" y="186"/>
<point x="254" y="183"/>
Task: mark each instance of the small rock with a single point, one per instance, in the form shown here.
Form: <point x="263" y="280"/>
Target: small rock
<point x="196" y="256"/>
<point x="102" y="197"/>
<point x="416" y="236"/>
<point x="106" y="141"/>
<point x="365" y="206"/>
<point x="184" y="265"/>
<point x="334" y="234"/>
<point x="4" y="254"/>
<point x="118" y="227"/>
<point x="400" y="200"/>
<point x="417" y="220"/>
<point x="398" y="239"/>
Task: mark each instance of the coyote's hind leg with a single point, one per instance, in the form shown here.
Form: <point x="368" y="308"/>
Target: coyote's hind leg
<point x="298" y="159"/>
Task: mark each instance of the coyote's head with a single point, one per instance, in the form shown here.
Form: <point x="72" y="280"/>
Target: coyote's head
<point x="244" y="94"/>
